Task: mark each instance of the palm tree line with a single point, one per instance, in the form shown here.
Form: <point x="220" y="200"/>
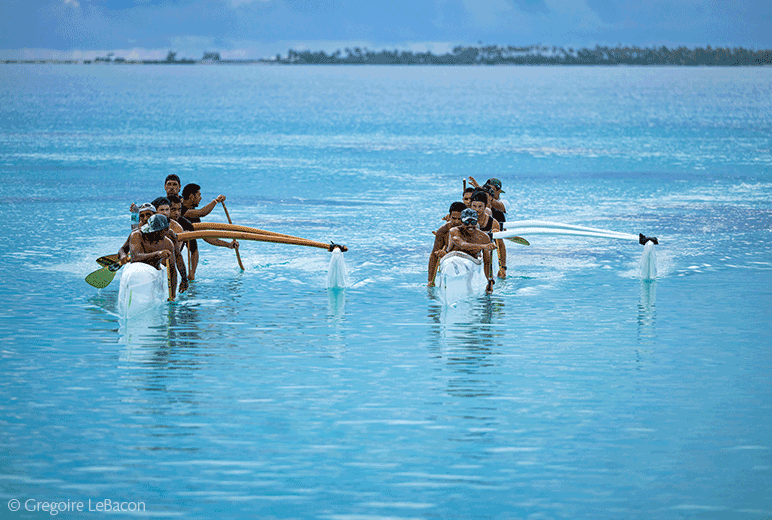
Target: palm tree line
<point x="482" y="55"/>
<point x="539" y="55"/>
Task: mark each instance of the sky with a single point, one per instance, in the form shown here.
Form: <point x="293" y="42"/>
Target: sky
<point x="82" y="29"/>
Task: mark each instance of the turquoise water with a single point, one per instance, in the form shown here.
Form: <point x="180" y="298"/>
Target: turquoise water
<point x="575" y="391"/>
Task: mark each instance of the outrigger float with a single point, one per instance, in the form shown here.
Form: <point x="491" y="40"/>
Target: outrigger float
<point x="461" y="276"/>
<point x="143" y="287"/>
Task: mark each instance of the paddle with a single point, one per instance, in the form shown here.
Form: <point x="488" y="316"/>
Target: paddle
<point x="106" y="260"/>
<point x="519" y="240"/>
<point x="238" y="256"/>
<point x="101" y="278"/>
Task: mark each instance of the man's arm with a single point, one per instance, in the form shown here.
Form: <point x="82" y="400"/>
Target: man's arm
<point x="206" y="210"/>
<point x="180" y="262"/>
<point x="502" y="251"/>
<point x="123" y="252"/>
<point x="221" y="243"/>
<point x="488" y="266"/>
<point x="438" y="251"/>
<point x="458" y="242"/>
<point x="171" y="249"/>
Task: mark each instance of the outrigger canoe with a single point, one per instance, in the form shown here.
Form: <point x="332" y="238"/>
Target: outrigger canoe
<point x="143" y="288"/>
<point x="461" y="276"/>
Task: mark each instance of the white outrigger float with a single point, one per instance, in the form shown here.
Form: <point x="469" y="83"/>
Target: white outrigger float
<point x="461" y="276"/>
<point x="143" y="288"/>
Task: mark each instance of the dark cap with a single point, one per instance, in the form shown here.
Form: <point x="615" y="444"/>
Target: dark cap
<point x="495" y="183"/>
<point x="155" y="223"/>
<point x="469" y="216"/>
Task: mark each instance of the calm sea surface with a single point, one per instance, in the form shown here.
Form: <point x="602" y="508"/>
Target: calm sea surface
<point x="575" y="391"/>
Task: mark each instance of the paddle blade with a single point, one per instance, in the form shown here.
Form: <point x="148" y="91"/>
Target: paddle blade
<point x="519" y="240"/>
<point x="101" y="278"/>
<point x="106" y="260"/>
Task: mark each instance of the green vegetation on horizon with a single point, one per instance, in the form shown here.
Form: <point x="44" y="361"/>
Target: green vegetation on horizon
<point x="486" y="55"/>
<point x="540" y="55"/>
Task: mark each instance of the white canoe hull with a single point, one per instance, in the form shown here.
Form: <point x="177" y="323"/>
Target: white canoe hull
<point x="460" y="276"/>
<point x="142" y="288"/>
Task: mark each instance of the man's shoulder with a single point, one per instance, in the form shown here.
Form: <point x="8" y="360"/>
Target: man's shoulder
<point x="445" y="228"/>
<point x="482" y="236"/>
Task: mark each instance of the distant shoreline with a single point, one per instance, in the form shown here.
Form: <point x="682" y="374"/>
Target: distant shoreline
<point x="483" y="56"/>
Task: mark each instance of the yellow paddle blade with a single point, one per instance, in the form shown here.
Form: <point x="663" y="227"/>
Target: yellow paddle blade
<point x="101" y="278"/>
<point x="519" y="240"/>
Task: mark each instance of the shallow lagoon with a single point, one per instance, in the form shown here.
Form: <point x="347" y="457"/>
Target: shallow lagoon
<point x="575" y="391"/>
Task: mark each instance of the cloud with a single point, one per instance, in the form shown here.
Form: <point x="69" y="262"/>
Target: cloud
<point x="270" y="26"/>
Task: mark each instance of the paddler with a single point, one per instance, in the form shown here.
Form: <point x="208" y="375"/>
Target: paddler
<point x="163" y="207"/>
<point x="175" y="213"/>
<point x="498" y="206"/>
<point x="498" y="203"/>
<point x="489" y="225"/>
<point x="469" y="239"/>
<point x="149" y="245"/>
<point x="467" y="197"/>
<point x="441" y="238"/>
<point x="146" y="211"/>
<point x="172" y="185"/>
<point x="191" y="198"/>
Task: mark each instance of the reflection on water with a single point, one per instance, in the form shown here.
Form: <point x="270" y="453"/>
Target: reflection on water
<point x="647" y="310"/>
<point x="337" y="304"/>
<point x="465" y="320"/>
<point x="465" y="336"/>
<point x="149" y="327"/>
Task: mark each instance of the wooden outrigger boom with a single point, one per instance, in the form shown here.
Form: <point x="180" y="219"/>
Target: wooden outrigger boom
<point x="260" y="237"/>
